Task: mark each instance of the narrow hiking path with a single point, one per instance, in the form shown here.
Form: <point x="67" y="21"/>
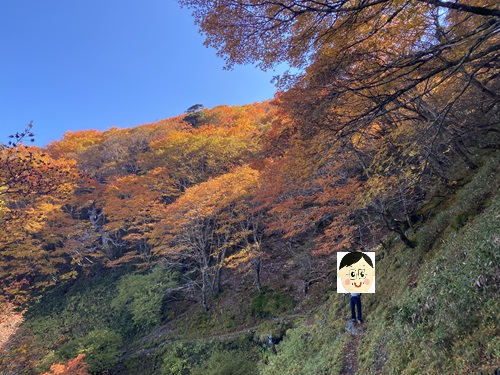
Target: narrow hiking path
<point x="162" y="331"/>
<point x="350" y="365"/>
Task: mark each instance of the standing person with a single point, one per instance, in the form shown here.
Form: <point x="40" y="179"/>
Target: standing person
<point x="357" y="274"/>
<point x="356" y="302"/>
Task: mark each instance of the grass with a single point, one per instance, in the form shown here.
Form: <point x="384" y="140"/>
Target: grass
<point x="440" y="318"/>
<point x="435" y="310"/>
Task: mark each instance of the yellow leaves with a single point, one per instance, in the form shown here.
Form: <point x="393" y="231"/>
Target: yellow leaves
<point x="3" y="205"/>
<point x="38" y="214"/>
<point x="230" y="138"/>
<point x="74" y="142"/>
<point x="377" y="186"/>
<point x="247" y="254"/>
<point x="37" y="187"/>
<point x="212" y="209"/>
<point x="220" y="192"/>
<point x="70" y="275"/>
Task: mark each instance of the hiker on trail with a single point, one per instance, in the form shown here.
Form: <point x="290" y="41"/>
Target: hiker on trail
<point x="356" y="302"/>
<point x="357" y="273"/>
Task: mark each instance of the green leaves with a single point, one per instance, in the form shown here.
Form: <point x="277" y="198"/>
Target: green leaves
<point x="142" y="295"/>
<point x="102" y="349"/>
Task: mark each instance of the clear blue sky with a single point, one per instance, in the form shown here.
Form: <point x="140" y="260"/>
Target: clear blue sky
<point x="94" y="64"/>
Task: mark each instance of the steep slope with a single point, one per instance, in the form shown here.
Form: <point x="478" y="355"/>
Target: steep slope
<point x="435" y="310"/>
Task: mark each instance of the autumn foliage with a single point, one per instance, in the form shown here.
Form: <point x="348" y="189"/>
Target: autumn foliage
<point x="388" y="100"/>
<point x="384" y="101"/>
<point x="75" y="366"/>
<point x="306" y="165"/>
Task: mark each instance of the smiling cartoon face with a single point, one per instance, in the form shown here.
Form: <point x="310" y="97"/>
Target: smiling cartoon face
<point x="358" y="277"/>
<point x="356" y="273"/>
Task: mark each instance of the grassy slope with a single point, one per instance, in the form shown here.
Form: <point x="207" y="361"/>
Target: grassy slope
<point x="435" y="309"/>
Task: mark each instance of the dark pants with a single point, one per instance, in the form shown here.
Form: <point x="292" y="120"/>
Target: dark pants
<point x="356" y="301"/>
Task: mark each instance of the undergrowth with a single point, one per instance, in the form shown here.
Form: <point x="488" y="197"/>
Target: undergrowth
<point x="435" y="311"/>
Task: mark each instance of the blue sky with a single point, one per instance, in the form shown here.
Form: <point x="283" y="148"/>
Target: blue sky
<point x="94" y="64"/>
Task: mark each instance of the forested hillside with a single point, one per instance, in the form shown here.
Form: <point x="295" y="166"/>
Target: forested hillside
<point x="206" y="243"/>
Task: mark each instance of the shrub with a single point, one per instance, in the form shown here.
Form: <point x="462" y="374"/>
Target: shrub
<point x="181" y="357"/>
<point x="102" y="349"/>
<point x="307" y="351"/>
<point x="227" y="363"/>
<point x="451" y="308"/>
<point x="76" y="366"/>
<point x="465" y="205"/>
<point x="271" y="304"/>
<point x="142" y="295"/>
<point x="73" y="310"/>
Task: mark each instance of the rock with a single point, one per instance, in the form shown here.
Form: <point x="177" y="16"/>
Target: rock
<point x="353" y="328"/>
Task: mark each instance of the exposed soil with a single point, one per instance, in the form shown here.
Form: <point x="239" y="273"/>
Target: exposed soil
<point x="350" y="365"/>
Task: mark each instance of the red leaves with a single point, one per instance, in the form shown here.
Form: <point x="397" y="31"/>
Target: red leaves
<point x="75" y="366"/>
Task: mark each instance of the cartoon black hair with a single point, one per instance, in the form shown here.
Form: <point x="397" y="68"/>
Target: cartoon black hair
<point x="353" y="257"/>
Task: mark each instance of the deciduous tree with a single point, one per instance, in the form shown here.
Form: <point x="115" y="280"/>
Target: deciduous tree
<point x="33" y="185"/>
<point x="207" y="223"/>
<point x="366" y="63"/>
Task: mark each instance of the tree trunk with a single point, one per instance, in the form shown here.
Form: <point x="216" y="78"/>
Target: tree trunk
<point x="462" y="152"/>
<point x="406" y="240"/>
<point x="204" y="291"/>
<point x="257" y="266"/>
<point x="396" y="228"/>
<point x="216" y="285"/>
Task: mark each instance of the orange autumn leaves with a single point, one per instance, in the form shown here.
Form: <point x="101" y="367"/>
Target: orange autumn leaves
<point x="153" y="179"/>
<point x="208" y="223"/>
<point x="32" y="187"/>
<point x="208" y="198"/>
<point x="75" y="366"/>
<point x="96" y="197"/>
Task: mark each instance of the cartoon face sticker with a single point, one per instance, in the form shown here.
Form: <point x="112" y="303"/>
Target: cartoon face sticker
<point x="356" y="272"/>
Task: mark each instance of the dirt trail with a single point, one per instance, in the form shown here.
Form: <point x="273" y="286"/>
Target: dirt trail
<point x="350" y="366"/>
<point x="224" y="336"/>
